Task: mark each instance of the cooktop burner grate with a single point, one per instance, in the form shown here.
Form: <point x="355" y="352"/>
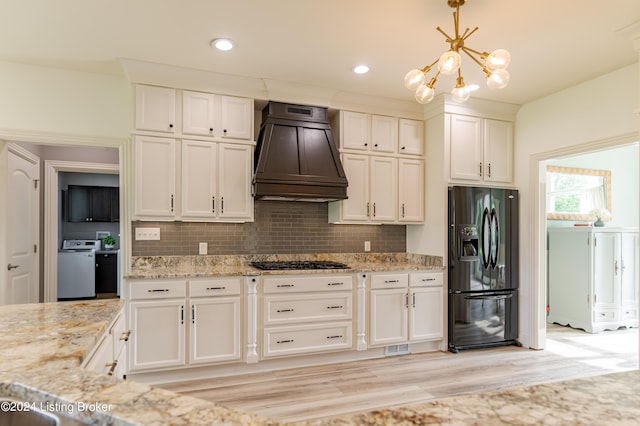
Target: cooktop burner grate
<point x="303" y="264"/>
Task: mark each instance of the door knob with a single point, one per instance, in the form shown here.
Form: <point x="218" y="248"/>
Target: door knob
<point x="10" y="267"/>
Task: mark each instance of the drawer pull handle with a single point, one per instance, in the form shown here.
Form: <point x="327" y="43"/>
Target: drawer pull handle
<point x="335" y="307"/>
<point x="335" y="337"/>
<point x="284" y="285"/>
<point x="284" y="310"/>
<point x="112" y="367"/>
<point x="335" y="284"/>
<point x="391" y="281"/>
<point x="285" y="341"/>
<point x="125" y="335"/>
<point x="216" y="288"/>
<point x="158" y="290"/>
<point x="428" y="279"/>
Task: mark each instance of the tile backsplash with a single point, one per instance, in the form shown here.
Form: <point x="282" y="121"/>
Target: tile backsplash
<point x="279" y="227"/>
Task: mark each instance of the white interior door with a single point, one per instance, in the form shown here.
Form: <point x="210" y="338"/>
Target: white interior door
<point x="23" y="232"/>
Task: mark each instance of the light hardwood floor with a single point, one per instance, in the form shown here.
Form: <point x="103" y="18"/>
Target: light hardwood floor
<point x="327" y="391"/>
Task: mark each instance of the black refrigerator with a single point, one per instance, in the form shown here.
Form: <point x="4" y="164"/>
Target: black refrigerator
<point x="483" y="267"/>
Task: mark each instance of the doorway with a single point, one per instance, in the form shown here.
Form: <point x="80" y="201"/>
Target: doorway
<point x="623" y="191"/>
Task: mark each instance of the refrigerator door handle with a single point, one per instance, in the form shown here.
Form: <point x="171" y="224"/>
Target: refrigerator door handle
<point x="495" y="238"/>
<point x="486" y="238"/>
<point x="490" y="297"/>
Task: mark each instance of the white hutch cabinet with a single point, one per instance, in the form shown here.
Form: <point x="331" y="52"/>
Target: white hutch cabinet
<point x="593" y="278"/>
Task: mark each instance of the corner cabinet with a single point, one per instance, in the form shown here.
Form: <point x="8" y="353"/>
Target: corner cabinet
<point x="593" y="278"/>
<point x="481" y="150"/>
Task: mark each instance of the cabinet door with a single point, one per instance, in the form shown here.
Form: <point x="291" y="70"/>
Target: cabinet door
<point x="236" y="118"/>
<point x="155" y="108"/>
<point x="78" y="205"/>
<point x="411" y="190"/>
<point x="106" y="272"/>
<point x="629" y="275"/>
<point x="115" y="204"/>
<point x="466" y="148"/>
<point x="605" y="270"/>
<point x="498" y="151"/>
<point x="100" y="202"/>
<point x="355" y="130"/>
<point x="410" y="137"/>
<point x="425" y="313"/>
<point x="234" y="172"/>
<point x="198" y="113"/>
<point x="215" y="330"/>
<point x="384" y="133"/>
<point x="157" y="338"/>
<point x="384" y="189"/>
<point x="155" y="178"/>
<point x="199" y="179"/>
<point x="388" y="316"/>
<point x="356" y="207"/>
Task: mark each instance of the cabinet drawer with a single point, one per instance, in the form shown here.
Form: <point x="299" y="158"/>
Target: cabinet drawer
<point x="389" y="281"/>
<point x="280" y="341"/>
<point x="422" y="279"/>
<point x="303" y="308"/>
<point x="157" y="289"/>
<point x="628" y="313"/>
<point x="217" y="287"/>
<point x="290" y="284"/>
<point x="602" y="315"/>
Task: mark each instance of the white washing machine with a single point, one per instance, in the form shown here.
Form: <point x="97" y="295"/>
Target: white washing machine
<point x="77" y="269"/>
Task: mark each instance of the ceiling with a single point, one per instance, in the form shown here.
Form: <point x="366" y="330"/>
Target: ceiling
<point x="553" y="44"/>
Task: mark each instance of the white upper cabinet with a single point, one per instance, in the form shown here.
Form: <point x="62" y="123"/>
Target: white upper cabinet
<point x="198" y="113"/>
<point x="481" y="150"/>
<point x="355" y="130"/>
<point x="410" y="137"/>
<point x="384" y="133"/>
<point x="199" y="179"/>
<point x="155" y="109"/>
<point x="236" y="117"/>
<point x="366" y="132"/>
<point x="383" y="189"/>
<point x="234" y="173"/>
<point x="411" y="190"/>
<point x="155" y="177"/>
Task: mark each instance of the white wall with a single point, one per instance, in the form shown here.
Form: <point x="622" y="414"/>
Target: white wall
<point x="50" y="100"/>
<point x="595" y="114"/>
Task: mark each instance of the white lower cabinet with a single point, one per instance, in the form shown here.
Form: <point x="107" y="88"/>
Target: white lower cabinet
<point x="160" y="311"/>
<point x="306" y="314"/>
<point x="405" y="308"/>
<point x="110" y="354"/>
<point x="215" y="321"/>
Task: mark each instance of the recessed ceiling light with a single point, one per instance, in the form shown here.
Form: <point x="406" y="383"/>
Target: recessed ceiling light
<point x="222" y="44"/>
<point x="361" y="69"/>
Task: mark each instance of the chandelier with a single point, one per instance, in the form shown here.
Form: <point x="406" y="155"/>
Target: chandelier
<point x="493" y="65"/>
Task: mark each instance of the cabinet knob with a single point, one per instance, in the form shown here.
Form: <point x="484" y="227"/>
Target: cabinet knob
<point x="402" y="147"/>
<point x="171" y="126"/>
<point x="375" y="146"/>
<point x="210" y="129"/>
<point x="366" y="144"/>
<point x="225" y="131"/>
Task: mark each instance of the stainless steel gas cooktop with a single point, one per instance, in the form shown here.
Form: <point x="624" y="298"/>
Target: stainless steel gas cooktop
<point x="302" y="264"/>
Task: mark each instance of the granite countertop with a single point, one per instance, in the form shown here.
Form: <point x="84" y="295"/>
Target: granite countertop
<point x="42" y="347"/>
<point x="212" y="266"/>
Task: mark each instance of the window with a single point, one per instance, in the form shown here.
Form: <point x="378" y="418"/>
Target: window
<point x="572" y="193"/>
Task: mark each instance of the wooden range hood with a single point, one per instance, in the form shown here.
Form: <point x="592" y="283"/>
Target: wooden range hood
<point x="296" y="158"/>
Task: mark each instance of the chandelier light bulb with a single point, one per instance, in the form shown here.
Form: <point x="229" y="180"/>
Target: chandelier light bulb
<point x="498" y="79"/>
<point x="449" y="62"/>
<point x="499" y="59"/>
<point x="414" y="79"/>
<point x="461" y="92"/>
<point x="425" y="94"/>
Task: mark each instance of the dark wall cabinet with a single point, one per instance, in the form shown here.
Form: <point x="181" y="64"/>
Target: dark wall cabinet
<point x="106" y="272"/>
<point x="93" y="204"/>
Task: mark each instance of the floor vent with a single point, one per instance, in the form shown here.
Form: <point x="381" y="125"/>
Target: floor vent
<point x="396" y="350"/>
